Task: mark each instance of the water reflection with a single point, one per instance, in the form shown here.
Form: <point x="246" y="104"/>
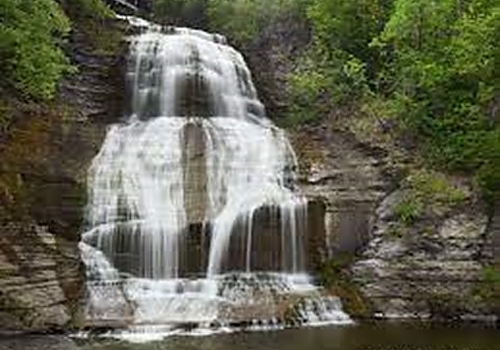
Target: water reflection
<point x="361" y="337"/>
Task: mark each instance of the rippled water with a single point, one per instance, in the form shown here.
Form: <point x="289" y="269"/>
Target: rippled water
<point x="360" y="337"/>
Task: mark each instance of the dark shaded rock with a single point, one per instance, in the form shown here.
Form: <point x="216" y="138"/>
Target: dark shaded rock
<point x="271" y="58"/>
<point x="348" y="178"/>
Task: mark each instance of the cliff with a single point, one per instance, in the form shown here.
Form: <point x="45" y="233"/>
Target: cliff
<point x="45" y="152"/>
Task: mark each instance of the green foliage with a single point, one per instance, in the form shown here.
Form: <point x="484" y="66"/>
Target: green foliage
<point x="409" y="209"/>
<point x="427" y="191"/>
<point x="443" y="72"/>
<point x="5" y="115"/>
<point x="333" y="275"/>
<point x="348" y="25"/>
<point x="96" y="9"/>
<point x="435" y="67"/>
<point x="337" y="69"/>
<point x="320" y="82"/>
<point x="396" y="230"/>
<point x="30" y="58"/>
<point x="332" y="270"/>
<point x="489" y="289"/>
<point x="436" y="187"/>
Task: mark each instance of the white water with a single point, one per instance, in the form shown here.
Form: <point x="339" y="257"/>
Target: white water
<point x="140" y="194"/>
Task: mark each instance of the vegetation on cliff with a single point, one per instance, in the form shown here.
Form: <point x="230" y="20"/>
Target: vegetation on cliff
<point x="430" y="71"/>
<point x="32" y="36"/>
<point x="34" y="57"/>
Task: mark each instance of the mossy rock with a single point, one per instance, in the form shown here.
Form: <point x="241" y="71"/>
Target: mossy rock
<point x="353" y="301"/>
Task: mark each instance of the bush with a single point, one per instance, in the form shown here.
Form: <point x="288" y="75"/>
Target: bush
<point x="409" y="210"/>
<point x="427" y="191"/>
<point x="488" y="290"/>
<point x="320" y="83"/>
<point x="443" y="63"/>
<point x="30" y="57"/>
<point x="89" y="8"/>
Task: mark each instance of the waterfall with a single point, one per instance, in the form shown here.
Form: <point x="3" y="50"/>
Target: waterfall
<point x="193" y="213"/>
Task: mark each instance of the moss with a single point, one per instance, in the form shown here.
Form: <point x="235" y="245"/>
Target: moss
<point x="446" y="307"/>
<point x="334" y="276"/>
<point x="487" y="291"/>
<point x="427" y="191"/>
<point x="409" y="210"/>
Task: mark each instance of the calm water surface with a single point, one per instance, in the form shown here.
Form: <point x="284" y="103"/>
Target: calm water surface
<point x="360" y="337"/>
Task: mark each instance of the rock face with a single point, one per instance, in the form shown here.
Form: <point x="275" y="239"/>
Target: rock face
<point x="349" y="178"/>
<point x="40" y="279"/>
<point x="45" y="157"/>
<point x="425" y="274"/>
<point x="271" y="58"/>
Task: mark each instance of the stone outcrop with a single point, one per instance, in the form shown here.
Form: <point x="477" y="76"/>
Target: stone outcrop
<point x="348" y="177"/>
<point x="271" y="57"/>
<point x="432" y="273"/>
<point x="40" y="279"/>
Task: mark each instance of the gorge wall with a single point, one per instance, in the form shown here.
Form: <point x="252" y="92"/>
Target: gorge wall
<point x="45" y="153"/>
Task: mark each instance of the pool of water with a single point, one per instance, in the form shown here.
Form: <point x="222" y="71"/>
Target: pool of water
<point x="359" y="337"/>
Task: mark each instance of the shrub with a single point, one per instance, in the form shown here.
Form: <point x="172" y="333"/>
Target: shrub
<point x="180" y="12"/>
<point x="427" y="191"/>
<point x="321" y="82"/>
<point x="30" y="57"/>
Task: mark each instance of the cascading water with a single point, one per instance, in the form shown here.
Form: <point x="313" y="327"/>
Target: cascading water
<point x="193" y="217"/>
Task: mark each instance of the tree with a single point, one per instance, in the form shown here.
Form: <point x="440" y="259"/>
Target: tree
<point x="445" y="65"/>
